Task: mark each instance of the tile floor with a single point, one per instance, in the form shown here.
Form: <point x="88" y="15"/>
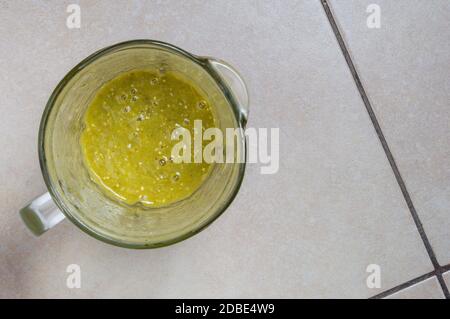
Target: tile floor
<point x="447" y="278"/>
<point x="426" y="289"/>
<point x="335" y="206"/>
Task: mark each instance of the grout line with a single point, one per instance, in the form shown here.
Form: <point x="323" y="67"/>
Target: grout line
<point x="441" y="280"/>
<point x="445" y="268"/>
<point x="387" y="151"/>
<point x="405" y="285"/>
<point x="410" y="283"/>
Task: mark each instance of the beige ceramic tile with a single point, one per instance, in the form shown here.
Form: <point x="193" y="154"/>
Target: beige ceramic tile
<point x="404" y="66"/>
<point x="447" y="278"/>
<point x="309" y="231"/>
<point x="427" y="289"/>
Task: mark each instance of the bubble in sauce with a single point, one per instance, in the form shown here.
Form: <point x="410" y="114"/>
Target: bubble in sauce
<point x="201" y="105"/>
<point x="163" y="161"/>
<point x="176" y="176"/>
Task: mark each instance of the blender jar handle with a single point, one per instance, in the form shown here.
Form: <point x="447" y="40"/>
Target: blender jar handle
<point x="236" y="84"/>
<point x="41" y="214"/>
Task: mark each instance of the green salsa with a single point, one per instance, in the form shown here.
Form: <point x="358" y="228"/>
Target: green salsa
<point x="126" y="142"/>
